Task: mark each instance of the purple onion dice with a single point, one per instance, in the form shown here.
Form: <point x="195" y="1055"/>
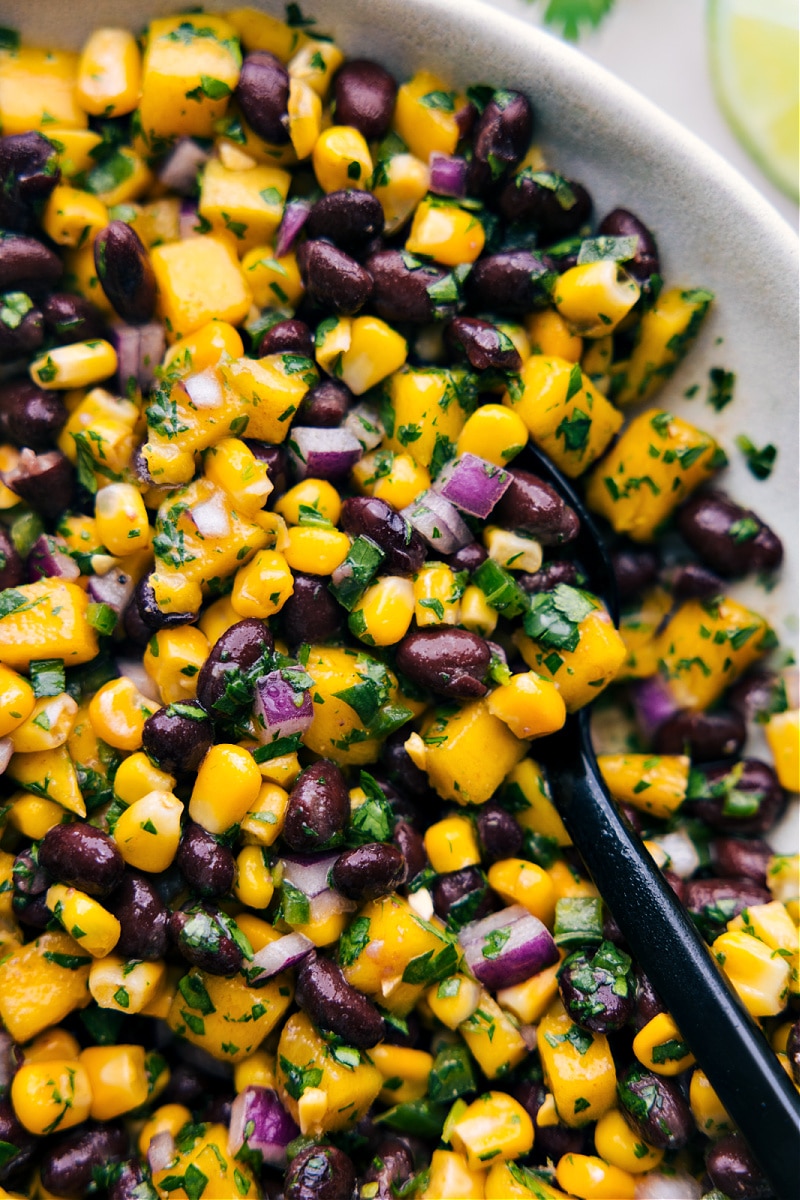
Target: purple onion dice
<point x="49" y="558"/>
<point x="438" y="522"/>
<point x="278" y="956"/>
<point x="323" y="453"/>
<point x="281" y="707"/>
<point x="448" y="175"/>
<point x="472" y="484"/>
<point x="294" y="217"/>
<point x="259" y="1119"/>
<point x="507" y="947"/>
<point x="179" y="170"/>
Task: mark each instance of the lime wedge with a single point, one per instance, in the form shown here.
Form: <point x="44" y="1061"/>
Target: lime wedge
<point x="755" y="51"/>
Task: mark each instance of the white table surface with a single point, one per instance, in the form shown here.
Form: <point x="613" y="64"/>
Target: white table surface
<point x="660" y="48"/>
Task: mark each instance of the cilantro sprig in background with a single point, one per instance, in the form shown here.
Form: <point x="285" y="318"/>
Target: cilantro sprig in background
<point x="572" y="17"/>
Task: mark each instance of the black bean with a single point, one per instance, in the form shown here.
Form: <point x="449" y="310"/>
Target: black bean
<point x="633" y="817"/>
<point x="186" y="1086"/>
<point x="373" y="518"/>
<point x="450" y="662"/>
<point x="553" y="206"/>
<point x="531" y="505"/>
<point x="21" y="333"/>
<point x="370" y="871"/>
<point x="405" y="289"/>
<point x="126" y="1179"/>
<point x="513" y="281"/>
<point x="634" y="570"/>
<point x="501" y="136"/>
<point x="621" y="223"/>
<point x="263" y="95"/>
<point x="693" y="581"/>
<point x="22" y="1144"/>
<point x="125" y="272"/>
<point x="178" y="737"/>
<point x="325" y="405"/>
<point x="402" y="771"/>
<point x="320" y="1173"/>
<point x="143" y="917"/>
<point x="351" y="219"/>
<point x="29" y="171"/>
<point x="82" y="857"/>
<point x="560" y="570"/>
<point x="29" y="877"/>
<point x="364" y="94"/>
<point x="200" y="933"/>
<point x="277" y="465"/>
<point x="32" y="911"/>
<point x="757" y="695"/>
<point x="745" y="799"/>
<point x="151" y="616"/>
<point x="467" y="558"/>
<point x="793" y="1050"/>
<point x="550" y="1141"/>
<point x="45" y="481"/>
<point x="67" y="1167"/>
<point x="733" y="1170"/>
<point x="310" y="614"/>
<point x="27" y="266"/>
<point x="677" y="884"/>
<point x="728" y="538"/>
<point x="334" y="1005"/>
<point x="714" y="902"/>
<point x="705" y="736"/>
<point x="334" y="279"/>
<point x="410" y="844"/>
<point x="656" y="1108"/>
<point x="648" y="1002"/>
<point x="208" y="867"/>
<point x="391" y="1166"/>
<point x="465" y="890"/>
<point x="218" y="1109"/>
<point x="30" y="416"/>
<point x="500" y="836"/>
<point x="287" y="337"/>
<point x="12" y="568"/>
<point x="69" y="318"/>
<point x="746" y="858"/>
<point x="597" y="990"/>
<point x="237" y="651"/>
<point x="318" y="808"/>
<point x="485" y="346"/>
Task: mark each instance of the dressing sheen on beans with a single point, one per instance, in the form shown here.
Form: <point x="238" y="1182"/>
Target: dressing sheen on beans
<point x="286" y="907"/>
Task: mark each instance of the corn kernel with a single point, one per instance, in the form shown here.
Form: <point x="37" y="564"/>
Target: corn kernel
<point x="227" y="785"/>
<point x="436" y="596"/>
<point x="620" y="1146"/>
<point x="73" y="217"/>
<point x="511" y="550"/>
<point x="783" y="738"/>
<point x="148" y="832"/>
<point x="32" y="816"/>
<point x="117" y="1078"/>
<point x="425" y="117"/>
<point x="405" y="1073"/>
<point x="51" y="1045"/>
<point x="137" y="776"/>
<point x="493" y="1126"/>
<point x="660" y="1047"/>
<point x="758" y="973"/>
<point x="316" y="494"/>
<point x="50" y="1096"/>
<point x="48" y="726"/>
<point x="594" y="297"/>
<point x="477" y="614"/>
<point x="583" y="1082"/>
<point x="525" y="883"/>
<point x="123" y="985"/>
<point x="173" y="660"/>
<point x="590" y="1178"/>
<point x="118" y="712"/>
<point x="445" y="232"/>
<point x="253" y="885"/>
<point x="207" y="347"/>
<point x="121" y="519"/>
<point x="258" y="1070"/>
<point x="16" y="700"/>
<point x="77" y="365"/>
<point x="452" y="1179"/>
<point x="530" y="705"/>
<point x="493" y="1038"/>
<point x="454" y="1000"/>
<point x="495" y="433"/>
<point x="504" y="1184"/>
<point x="217" y="618"/>
<point x="316" y="550"/>
<point x="109" y="73"/>
<point x="400" y="485"/>
<point x="403" y="184"/>
<point x="451" y="844"/>
<point x="529" y="1001"/>
<point x="550" y="334"/>
<point x="169" y="1118"/>
<point x="272" y="280"/>
<point x="341" y="159"/>
<point x="93" y="927"/>
<point x="710" y="1117"/>
<point x="263" y="586"/>
<point x="263" y="822"/>
<point x="383" y="614"/>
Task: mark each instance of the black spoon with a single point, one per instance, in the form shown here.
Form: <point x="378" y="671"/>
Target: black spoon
<point x="741" y="1066"/>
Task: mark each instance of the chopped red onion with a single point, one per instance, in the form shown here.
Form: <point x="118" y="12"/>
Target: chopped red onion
<point x="133" y="669"/>
<point x="309" y="872"/>
<point x="188" y="224"/>
<point x="294" y="218"/>
<point x="473" y="484"/>
<point x="152" y="346"/>
<point x="48" y="557"/>
<point x="271" y="1128"/>
<point x="323" y="453"/>
<point x="365" y="425"/>
<point x="204" y="389"/>
<point x="660" y="1185"/>
<point x="140" y="349"/>
<point x="684" y="858"/>
<point x="507" y="947"/>
<point x="6" y="750"/>
<point x="280" y="709"/>
<point x="448" y="175"/>
<point x="178" y="172"/>
<point x="212" y="517"/>
<point x="439" y="522"/>
<point x="114" y="589"/>
<point x="278" y="956"/>
<point x="161" y="1151"/>
<point x="653" y="704"/>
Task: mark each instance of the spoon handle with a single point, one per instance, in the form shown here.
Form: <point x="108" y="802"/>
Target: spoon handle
<point x="731" y="1049"/>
